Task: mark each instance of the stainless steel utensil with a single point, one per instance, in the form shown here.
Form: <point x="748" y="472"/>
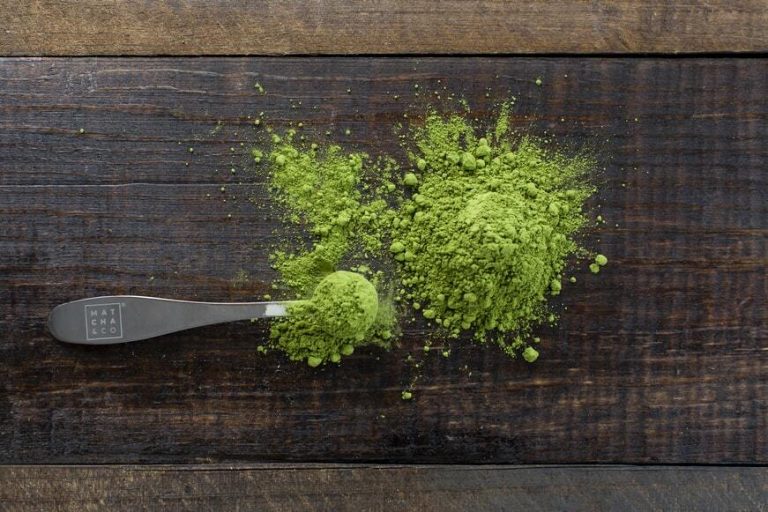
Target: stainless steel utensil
<point x="123" y="318"/>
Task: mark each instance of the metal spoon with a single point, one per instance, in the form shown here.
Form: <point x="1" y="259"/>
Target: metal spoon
<point x="123" y="318"/>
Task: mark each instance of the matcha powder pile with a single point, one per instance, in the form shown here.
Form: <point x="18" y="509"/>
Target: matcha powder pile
<point x="485" y="236"/>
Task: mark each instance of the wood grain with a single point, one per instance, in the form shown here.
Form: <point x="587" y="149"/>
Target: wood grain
<point x="374" y="488"/>
<point x="661" y="358"/>
<point x="275" y="27"/>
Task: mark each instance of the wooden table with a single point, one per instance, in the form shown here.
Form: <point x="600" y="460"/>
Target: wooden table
<point x="651" y="393"/>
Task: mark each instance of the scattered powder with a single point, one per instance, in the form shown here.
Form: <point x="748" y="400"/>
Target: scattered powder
<point x="601" y="260"/>
<point x="530" y="354"/>
<point x="320" y="190"/>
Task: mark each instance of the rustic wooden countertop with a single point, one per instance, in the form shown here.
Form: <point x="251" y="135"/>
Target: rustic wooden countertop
<point x="651" y="393"/>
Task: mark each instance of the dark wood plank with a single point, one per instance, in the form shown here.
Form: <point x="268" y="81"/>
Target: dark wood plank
<point x="273" y="27"/>
<point x="372" y="488"/>
<point x="659" y="359"/>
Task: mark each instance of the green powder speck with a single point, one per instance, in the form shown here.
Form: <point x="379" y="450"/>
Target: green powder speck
<point x="530" y="354"/>
<point x="601" y="260"/>
<point x="410" y="179"/>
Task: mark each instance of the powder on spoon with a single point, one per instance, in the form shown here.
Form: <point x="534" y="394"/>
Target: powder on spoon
<point x="337" y="318"/>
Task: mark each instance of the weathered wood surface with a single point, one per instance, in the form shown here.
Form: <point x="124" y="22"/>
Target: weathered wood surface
<point x="275" y="27"/>
<point x="371" y="488"/>
<point x="661" y="358"/>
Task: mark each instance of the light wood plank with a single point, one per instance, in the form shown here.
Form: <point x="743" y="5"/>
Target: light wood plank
<point x="274" y="27"/>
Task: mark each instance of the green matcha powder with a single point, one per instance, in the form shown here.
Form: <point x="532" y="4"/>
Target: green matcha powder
<point x="338" y="317"/>
<point x="475" y="235"/>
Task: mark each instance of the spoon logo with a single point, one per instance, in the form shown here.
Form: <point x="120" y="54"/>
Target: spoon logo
<point x="103" y="322"/>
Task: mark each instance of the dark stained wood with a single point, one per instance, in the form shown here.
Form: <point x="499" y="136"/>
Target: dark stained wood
<point x="273" y="27"/>
<point x="372" y="488"/>
<point x="661" y="358"/>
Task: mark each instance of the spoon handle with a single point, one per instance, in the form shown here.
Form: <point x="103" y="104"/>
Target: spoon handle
<point x="123" y="318"/>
